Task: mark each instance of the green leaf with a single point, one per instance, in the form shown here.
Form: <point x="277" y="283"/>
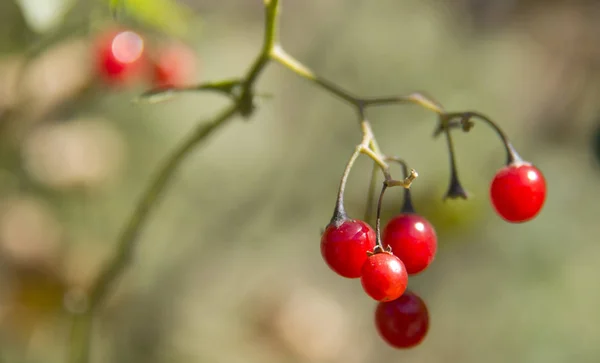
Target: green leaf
<point x="166" y="15"/>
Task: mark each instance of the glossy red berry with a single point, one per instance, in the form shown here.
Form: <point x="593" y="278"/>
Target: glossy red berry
<point x="344" y="247"/>
<point x="413" y="239"/>
<point x="384" y="277"/>
<point x="518" y="192"/>
<point x="174" y="66"/>
<point x="120" y="56"/>
<point x="404" y="322"/>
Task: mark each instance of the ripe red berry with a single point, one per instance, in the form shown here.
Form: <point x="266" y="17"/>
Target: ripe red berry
<point x="518" y="192"/>
<point x="413" y="239"/>
<point x="174" y="66"/>
<point x="344" y="247"/>
<point x="384" y="277"/>
<point x="404" y="322"/>
<point x="120" y="56"/>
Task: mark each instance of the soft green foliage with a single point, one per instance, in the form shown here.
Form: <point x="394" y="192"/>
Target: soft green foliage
<point x="165" y="15"/>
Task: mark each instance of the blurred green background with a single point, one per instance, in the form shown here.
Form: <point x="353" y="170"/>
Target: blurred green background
<point x="228" y="268"/>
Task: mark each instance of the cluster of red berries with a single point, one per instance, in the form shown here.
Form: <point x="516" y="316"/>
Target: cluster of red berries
<point x="408" y="245"/>
<point x="350" y="249"/>
<point x="122" y="57"/>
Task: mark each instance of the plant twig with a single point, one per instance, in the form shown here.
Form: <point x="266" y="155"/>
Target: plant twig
<point x="82" y="325"/>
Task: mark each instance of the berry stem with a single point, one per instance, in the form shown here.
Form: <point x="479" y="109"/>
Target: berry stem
<point x="378" y="217"/>
<point x="407" y="205"/>
<point x="339" y="213"/>
<point x="388" y="182"/>
<point x="371" y="194"/>
<point x="512" y="156"/>
<point x="455" y="189"/>
<point x="415" y="98"/>
<point x="372" y="184"/>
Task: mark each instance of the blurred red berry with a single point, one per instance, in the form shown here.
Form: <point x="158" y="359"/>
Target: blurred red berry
<point x="404" y="322"/>
<point x="384" y="277"/>
<point x="175" y="65"/>
<point x="344" y="247"/>
<point x="120" y="56"/>
<point x="518" y="192"/>
<point x="413" y="239"/>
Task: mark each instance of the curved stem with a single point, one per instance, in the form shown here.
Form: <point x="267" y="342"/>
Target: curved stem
<point x="455" y="189"/>
<point x="407" y="205"/>
<point x="126" y="243"/>
<point x="339" y="213"/>
<point x="465" y="118"/>
<point x="114" y="268"/>
<point x="282" y="57"/>
<point x="378" y="216"/>
<point x="371" y="194"/>
<point x="415" y="98"/>
<point x="127" y="238"/>
<point x="279" y="55"/>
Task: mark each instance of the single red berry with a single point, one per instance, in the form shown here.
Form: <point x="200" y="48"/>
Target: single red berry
<point x="174" y="66"/>
<point x="413" y="239"/>
<point x="384" y="277"/>
<point x="120" y="56"/>
<point x="344" y="247"/>
<point x="518" y="192"/>
<point x="404" y="322"/>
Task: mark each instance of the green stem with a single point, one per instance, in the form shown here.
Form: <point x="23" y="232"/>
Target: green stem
<point x="116" y="265"/>
<point x="281" y="56"/>
<point x="371" y="194"/>
<point x="126" y="242"/>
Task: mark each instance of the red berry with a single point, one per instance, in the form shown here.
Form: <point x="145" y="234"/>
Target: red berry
<point x="404" y="322"/>
<point x="413" y="239"/>
<point x="175" y="66"/>
<point x="384" y="277"/>
<point x="120" y="56"/>
<point x="345" y="247"/>
<point x="518" y="192"/>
